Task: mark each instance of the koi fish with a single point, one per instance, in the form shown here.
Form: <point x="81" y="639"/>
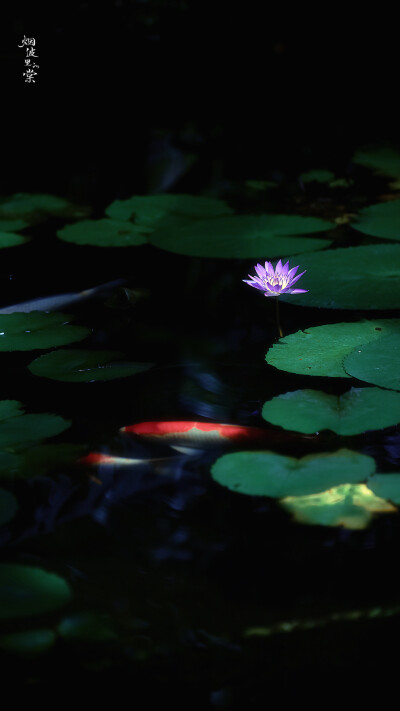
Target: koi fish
<point x="53" y="303"/>
<point x="201" y="435"/>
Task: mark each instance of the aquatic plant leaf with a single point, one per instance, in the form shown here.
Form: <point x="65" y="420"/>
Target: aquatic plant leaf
<point x="29" y="643"/>
<point x="317" y="176"/>
<point x="8" y="506"/>
<point x="243" y="236"/>
<point x="354" y="412"/>
<point x="153" y="210"/>
<point x="349" y="505"/>
<point x="35" y="207"/>
<point x="8" y="239"/>
<point x="104" y="233"/>
<point x="382" y="160"/>
<point x="79" y="366"/>
<point x="277" y="476"/>
<point x="320" y="350"/>
<point x="25" y="590"/>
<point x="38" y="329"/>
<point x="9" y="464"/>
<point x="90" y="626"/>
<point x="376" y="363"/>
<point x="29" y="428"/>
<point x="351" y="278"/>
<point x="380" y="220"/>
<point x="387" y="486"/>
<point x="12" y="225"/>
<point x="261" y="185"/>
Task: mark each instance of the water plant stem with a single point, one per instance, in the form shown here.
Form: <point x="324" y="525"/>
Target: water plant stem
<point x="278" y="323"/>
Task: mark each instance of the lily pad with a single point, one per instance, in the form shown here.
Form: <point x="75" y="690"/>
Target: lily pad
<point x="356" y="411"/>
<point x="382" y="160"/>
<point x="29" y="642"/>
<point x="9" y="464"/>
<point x="321" y="350"/>
<point x="8" y="506"/>
<point x="381" y="220"/>
<point x="376" y="363"/>
<point x="19" y="429"/>
<point x="25" y="590"/>
<point x="386" y="485"/>
<point x="349" y="505"/>
<point x="76" y="366"/>
<point x="243" y="236"/>
<point x="104" y="233"/>
<point x="37" y="329"/>
<point x="13" y="225"/>
<point x="275" y="475"/>
<point x="365" y="277"/>
<point x="34" y="207"/>
<point x="9" y="239"/>
<point x="317" y="176"/>
<point x="152" y="210"/>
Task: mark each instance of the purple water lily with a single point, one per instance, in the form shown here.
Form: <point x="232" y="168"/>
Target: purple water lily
<point x="275" y="282"/>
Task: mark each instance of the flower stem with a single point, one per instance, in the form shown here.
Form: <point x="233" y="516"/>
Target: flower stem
<point x="278" y="323"/>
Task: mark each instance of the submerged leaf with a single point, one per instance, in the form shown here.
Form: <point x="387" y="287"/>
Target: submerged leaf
<point x="321" y="350"/>
<point x="29" y="642"/>
<point x="349" y="505"/>
<point x="79" y="366"/>
<point x="275" y="475"/>
<point x="25" y="590"/>
<point x="356" y="411"/>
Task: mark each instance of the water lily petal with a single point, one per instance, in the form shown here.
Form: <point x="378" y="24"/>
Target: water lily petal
<point x="293" y="271"/>
<point x="269" y="269"/>
<point x="297" y="291"/>
<point x="253" y="283"/>
<point x="293" y="281"/>
<point x="285" y="269"/>
<point x="260" y="270"/>
<point x="278" y="268"/>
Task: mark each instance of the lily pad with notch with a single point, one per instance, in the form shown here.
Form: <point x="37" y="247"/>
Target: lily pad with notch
<point x="277" y="476"/>
<point x="38" y="330"/>
<point x="377" y="362"/>
<point x="320" y="350"/>
<point x="104" y="233"/>
<point x="352" y="413"/>
<point x="161" y="210"/>
<point x="83" y="366"/>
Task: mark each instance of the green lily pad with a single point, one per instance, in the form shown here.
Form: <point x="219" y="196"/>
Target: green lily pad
<point x="8" y="239"/>
<point x="321" y="350"/>
<point x="365" y="277"/>
<point x="13" y="225"/>
<point x="28" y="643"/>
<point x="382" y="160"/>
<point x="376" y="363"/>
<point x="20" y="429"/>
<point x="76" y="366"/>
<point x="356" y="411"/>
<point x="8" y="506"/>
<point x="275" y="475"/>
<point x="104" y="233"/>
<point x="387" y="486"/>
<point x="34" y="207"/>
<point x="152" y="210"/>
<point x="317" y="176"/>
<point x="243" y="236"/>
<point x="37" y="329"/>
<point x="381" y="220"/>
<point x="25" y="590"/>
<point x="89" y="626"/>
<point x="348" y="505"/>
<point x="261" y="185"/>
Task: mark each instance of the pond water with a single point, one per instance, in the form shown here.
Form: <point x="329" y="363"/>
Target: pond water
<point x="168" y="581"/>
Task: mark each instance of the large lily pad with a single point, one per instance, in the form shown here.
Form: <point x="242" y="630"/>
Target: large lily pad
<point x="35" y="207"/>
<point x="79" y="366"/>
<point x="9" y="239"/>
<point x="8" y="506"/>
<point x="386" y="485"/>
<point x="356" y="411"/>
<point x="275" y="475"/>
<point x="153" y="210"/>
<point x="104" y="233"/>
<point x="348" y="505"/>
<point x="18" y="429"/>
<point x="381" y="220"/>
<point x="37" y="329"/>
<point x="365" y="277"/>
<point x="377" y="363"/>
<point x="25" y="590"/>
<point x="321" y="350"/>
<point x="382" y="160"/>
<point x="243" y="236"/>
<point x="12" y="225"/>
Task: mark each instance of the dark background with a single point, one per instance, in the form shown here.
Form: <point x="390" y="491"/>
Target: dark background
<point x="242" y="88"/>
